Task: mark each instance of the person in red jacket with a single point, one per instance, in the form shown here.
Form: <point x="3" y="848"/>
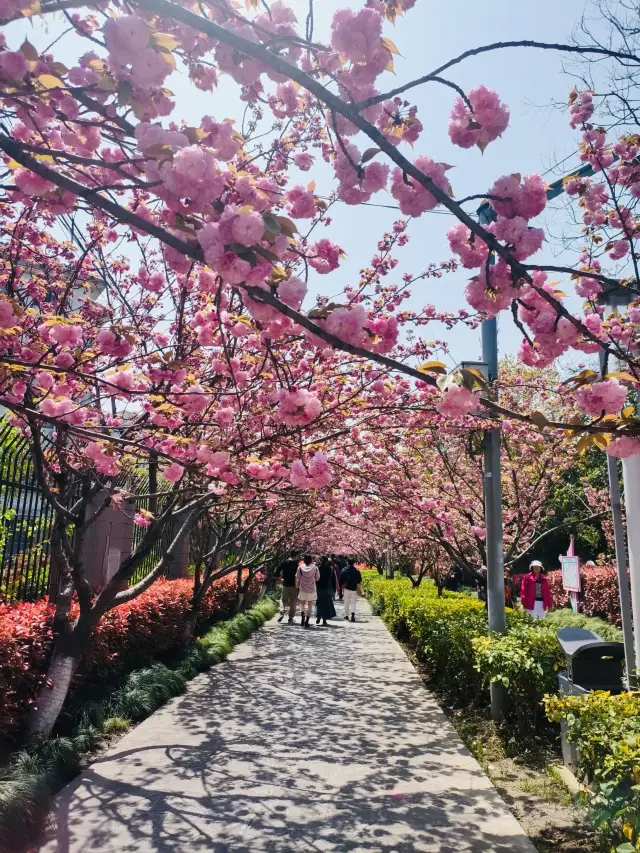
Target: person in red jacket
<point x="535" y="593"/>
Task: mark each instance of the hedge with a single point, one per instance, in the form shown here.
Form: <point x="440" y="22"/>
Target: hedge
<point x="450" y="636"/>
<point x="606" y="731"/>
<point x="126" y="637"/>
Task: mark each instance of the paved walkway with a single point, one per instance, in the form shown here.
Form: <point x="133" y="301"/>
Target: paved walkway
<point x="318" y="741"/>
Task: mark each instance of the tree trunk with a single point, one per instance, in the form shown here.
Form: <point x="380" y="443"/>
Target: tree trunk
<point x="190" y="623"/>
<point x="440" y="587"/>
<point x="64" y="662"/>
<point x="239" y="592"/>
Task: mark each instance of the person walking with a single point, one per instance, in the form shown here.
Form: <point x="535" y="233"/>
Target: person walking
<point x="341" y="564"/>
<point x="335" y="568"/>
<point x="481" y="584"/>
<point x="325" y="587"/>
<point x="535" y="593"/>
<point x="350" y="580"/>
<point x="288" y="569"/>
<point x="306" y="578"/>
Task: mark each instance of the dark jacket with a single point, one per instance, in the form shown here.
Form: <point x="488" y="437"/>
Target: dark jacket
<point x="288" y="571"/>
<point x="350" y="577"/>
<point x="325" y="581"/>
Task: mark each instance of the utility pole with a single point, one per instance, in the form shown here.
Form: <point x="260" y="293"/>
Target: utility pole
<point x="631" y="477"/>
<point x="493" y="514"/>
<point x="492" y="474"/>
<point x="612" y="298"/>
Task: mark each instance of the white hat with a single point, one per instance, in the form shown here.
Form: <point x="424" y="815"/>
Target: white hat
<point x="535" y="563"/>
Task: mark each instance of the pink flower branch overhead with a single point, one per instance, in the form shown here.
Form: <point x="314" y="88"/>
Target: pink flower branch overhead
<point x="222" y="205"/>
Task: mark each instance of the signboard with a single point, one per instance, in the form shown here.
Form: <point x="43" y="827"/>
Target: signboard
<point x="570" y="573"/>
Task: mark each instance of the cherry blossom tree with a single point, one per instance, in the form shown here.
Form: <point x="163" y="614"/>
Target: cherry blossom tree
<point x="207" y="194"/>
<point x="199" y="357"/>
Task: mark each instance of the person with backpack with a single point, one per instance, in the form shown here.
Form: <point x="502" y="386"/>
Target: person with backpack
<point x="350" y="580"/>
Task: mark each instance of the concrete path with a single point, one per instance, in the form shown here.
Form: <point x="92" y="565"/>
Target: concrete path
<point x="322" y="740"/>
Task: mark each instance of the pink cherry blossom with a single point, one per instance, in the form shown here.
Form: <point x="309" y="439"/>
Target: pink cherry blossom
<point x="526" y="198"/>
<point x="103" y="462"/>
<point x="292" y="292"/>
<point x="125" y="37"/>
<point x="472" y="251"/>
<point x="66" y="335"/>
<point x="412" y="197"/>
<point x="608" y="397"/>
<point x="7" y="317"/>
<point x="457" y="401"/>
<point x="303" y="161"/>
<point x="325" y="256"/>
<point x="301" y="203"/>
<point x="356" y="35"/>
<point x="247" y="228"/>
<point x="581" y="109"/>
<point x="224" y="416"/>
<point x="624" y="446"/>
<point x="173" y="472"/>
<point x="298" y="407"/>
<point x="487" y="121"/>
<point x="13" y="64"/>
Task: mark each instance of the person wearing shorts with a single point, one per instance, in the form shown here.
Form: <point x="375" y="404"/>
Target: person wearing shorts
<point x="288" y="569"/>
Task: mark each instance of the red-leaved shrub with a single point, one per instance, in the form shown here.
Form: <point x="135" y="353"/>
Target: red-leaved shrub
<point x="125" y="637"/>
<point x="25" y="639"/>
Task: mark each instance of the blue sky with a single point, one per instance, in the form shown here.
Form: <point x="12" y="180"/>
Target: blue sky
<point x="527" y="80"/>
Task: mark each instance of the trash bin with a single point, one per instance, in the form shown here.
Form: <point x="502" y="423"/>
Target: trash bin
<point x="592" y="664"/>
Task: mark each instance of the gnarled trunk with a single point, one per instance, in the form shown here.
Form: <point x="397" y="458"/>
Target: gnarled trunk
<point x="66" y="656"/>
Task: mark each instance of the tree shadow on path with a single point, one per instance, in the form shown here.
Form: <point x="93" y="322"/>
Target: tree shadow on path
<point x="315" y="740"/>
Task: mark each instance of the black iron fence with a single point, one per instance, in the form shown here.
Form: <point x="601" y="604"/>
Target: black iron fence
<point x="25" y="522"/>
<point x="139" y="484"/>
<point x="26" y="519"/>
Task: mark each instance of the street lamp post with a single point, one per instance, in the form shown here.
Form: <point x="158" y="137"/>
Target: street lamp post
<point x="492" y="476"/>
<point x="611" y="298"/>
<point x="493" y="499"/>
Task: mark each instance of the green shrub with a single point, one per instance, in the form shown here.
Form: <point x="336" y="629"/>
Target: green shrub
<point x="606" y="731"/>
<point x="217" y="645"/>
<point x="566" y="618"/>
<point x="115" y="726"/>
<point x="525" y="660"/>
<point x="25" y="800"/>
<point x="147" y="690"/>
<point x="450" y="636"/>
<point x="439" y="630"/>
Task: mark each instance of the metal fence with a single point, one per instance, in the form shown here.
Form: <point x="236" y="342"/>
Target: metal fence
<point x="138" y="484"/>
<point x="26" y="519"/>
<point x="25" y="522"/>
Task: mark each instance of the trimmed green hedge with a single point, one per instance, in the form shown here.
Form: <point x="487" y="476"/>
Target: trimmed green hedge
<point x="606" y="731"/>
<point x="28" y="784"/>
<point x="450" y="635"/>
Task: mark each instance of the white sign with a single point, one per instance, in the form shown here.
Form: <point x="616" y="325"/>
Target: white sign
<point x="570" y="573"/>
